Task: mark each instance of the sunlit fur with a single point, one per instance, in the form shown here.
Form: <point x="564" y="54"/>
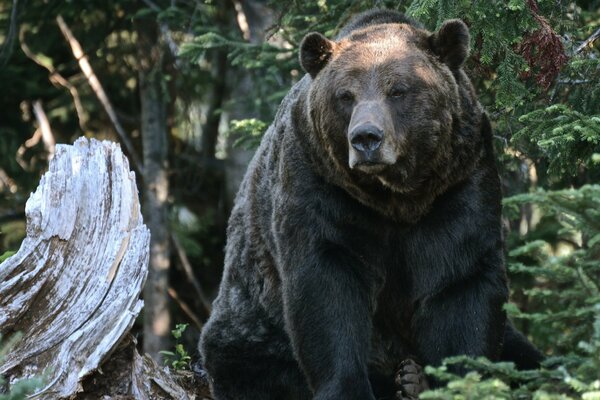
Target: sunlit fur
<point x="334" y="274"/>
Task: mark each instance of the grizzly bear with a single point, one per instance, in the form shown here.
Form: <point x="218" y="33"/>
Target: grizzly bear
<point x="367" y="229"/>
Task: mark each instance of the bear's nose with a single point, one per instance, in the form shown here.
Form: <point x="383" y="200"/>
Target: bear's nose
<point x="366" y="138"/>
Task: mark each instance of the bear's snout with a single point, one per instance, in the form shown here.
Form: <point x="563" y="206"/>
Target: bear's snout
<point x="366" y="148"/>
<point x="369" y="145"/>
<point x="369" y="149"/>
<point x="366" y="139"/>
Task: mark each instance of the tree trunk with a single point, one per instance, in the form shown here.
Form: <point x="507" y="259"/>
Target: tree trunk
<point x="213" y="115"/>
<point x="157" y="319"/>
<point x="71" y="291"/>
<point x="70" y="294"/>
<point x="254" y="17"/>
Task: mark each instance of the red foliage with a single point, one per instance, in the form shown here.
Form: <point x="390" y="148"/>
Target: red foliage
<point x="543" y="50"/>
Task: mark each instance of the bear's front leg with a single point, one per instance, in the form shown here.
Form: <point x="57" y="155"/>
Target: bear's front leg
<point x="328" y="302"/>
<point x="463" y="318"/>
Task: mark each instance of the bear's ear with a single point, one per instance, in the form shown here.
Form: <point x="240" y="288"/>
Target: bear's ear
<point x="451" y="43"/>
<point x="315" y="51"/>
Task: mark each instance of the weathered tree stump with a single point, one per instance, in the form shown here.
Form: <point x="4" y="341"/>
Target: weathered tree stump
<point x="72" y="290"/>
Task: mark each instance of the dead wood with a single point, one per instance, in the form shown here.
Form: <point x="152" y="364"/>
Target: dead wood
<point x="72" y="290"/>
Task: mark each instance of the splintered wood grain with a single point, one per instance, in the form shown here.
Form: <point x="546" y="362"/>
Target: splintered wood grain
<point x="72" y="290"/>
<point x="127" y="375"/>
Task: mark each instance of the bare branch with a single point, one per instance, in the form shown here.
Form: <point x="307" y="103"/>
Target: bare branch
<point x="8" y="183"/>
<point x="152" y="5"/>
<point x="29" y="143"/>
<point x="574" y="81"/>
<point x="189" y="273"/>
<point x="588" y="42"/>
<point x="43" y="133"/>
<point x="57" y="80"/>
<point x="242" y="20"/>
<point x="185" y="308"/>
<point x="85" y="66"/>
<point x="44" y="126"/>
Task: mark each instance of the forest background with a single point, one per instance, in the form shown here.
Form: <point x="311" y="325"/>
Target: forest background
<point x="189" y="86"/>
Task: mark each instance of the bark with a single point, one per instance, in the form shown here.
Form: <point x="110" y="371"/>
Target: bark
<point x="128" y="375"/>
<point x="157" y="319"/>
<point x="72" y="289"/>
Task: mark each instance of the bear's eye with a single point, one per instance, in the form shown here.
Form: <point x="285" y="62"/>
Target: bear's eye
<point x="398" y="92"/>
<point x="345" y="96"/>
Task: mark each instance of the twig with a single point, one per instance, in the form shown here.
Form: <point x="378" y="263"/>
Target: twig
<point x="242" y="21"/>
<point x="85" y="66"/>
<point x="152" y="5"/>
<point x="44" y="125"/>
<point x="574" y="82"/>
<point x="57" y="80"/>
<point x="185" y="308"/>
<point x="29" y="143"/>
<point x="187" y="268"/>
<point x="43" y="132"/>
<point x="588" y="41"/>
<point x="9" y="183"/>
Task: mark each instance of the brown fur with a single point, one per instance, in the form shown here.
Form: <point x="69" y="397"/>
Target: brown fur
<point x="438" y="103"/>
<point x="367" y="228"/>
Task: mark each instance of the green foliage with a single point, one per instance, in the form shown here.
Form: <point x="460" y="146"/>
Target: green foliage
<point x="502" y="33"/>
<point x="564" y="304"/>
<point x="564" y="301"/>
<point x="498" y="31"/>
<point x="569" y="139"/>
<point x="274" y="62"/>
<point x="180" y="358"/>
<point x="574" y="376"/>
<point x="564" y="266"/>
<point x="249" y="132"/>
<point x="21" y="389"/>
<point x="195" y="233"/>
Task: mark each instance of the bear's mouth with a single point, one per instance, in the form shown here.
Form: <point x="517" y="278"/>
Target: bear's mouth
<point x="369" y="167"/>
<point x="372" y="160"/>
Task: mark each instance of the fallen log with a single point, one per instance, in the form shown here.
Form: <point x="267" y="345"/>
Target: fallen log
<point x="72" y="290"/>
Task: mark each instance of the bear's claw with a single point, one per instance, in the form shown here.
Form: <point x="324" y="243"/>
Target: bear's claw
<point x="410" y="380"/>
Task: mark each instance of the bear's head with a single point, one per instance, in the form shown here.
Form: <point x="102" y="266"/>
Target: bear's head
<point x="390" y="104"/>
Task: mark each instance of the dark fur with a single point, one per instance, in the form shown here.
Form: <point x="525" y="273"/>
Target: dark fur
<point x="333" y="278"/>
<point x="375" y="17"/>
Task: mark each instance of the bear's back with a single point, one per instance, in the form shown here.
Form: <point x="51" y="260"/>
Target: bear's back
<point x="375" y="17"/>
